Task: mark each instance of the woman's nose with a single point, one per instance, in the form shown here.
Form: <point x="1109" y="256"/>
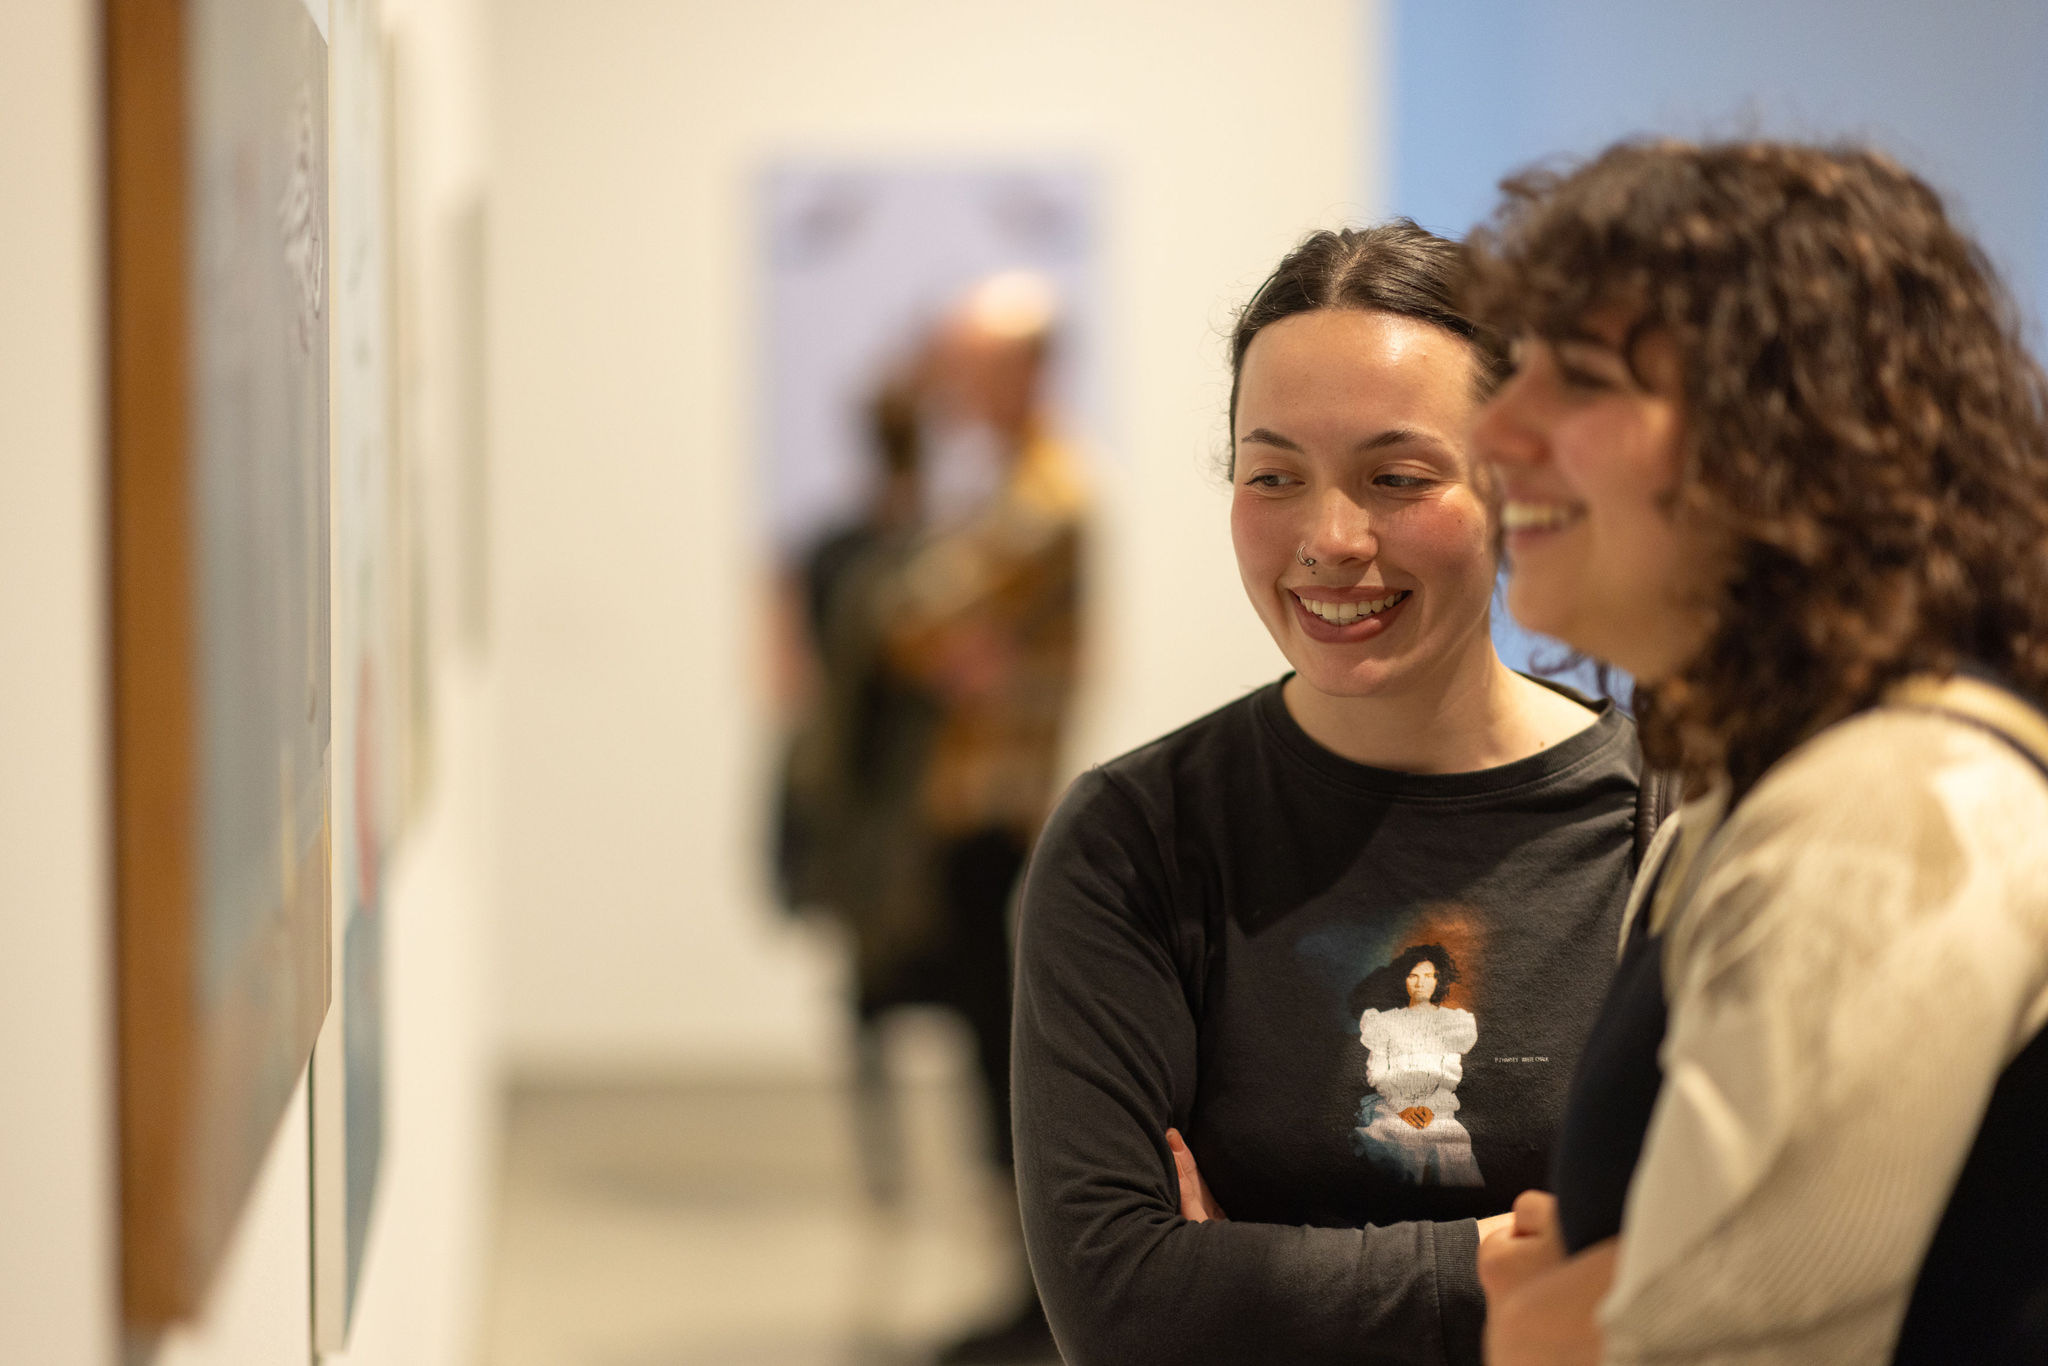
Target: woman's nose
<point x="1500" y="434"/>
<point x="1342" y="530"/>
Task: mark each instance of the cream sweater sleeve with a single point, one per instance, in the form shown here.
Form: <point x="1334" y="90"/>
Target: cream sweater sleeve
<point x="1864" y="948"/>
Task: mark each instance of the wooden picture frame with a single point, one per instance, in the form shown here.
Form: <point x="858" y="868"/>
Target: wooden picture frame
<point x="216" y="132"/>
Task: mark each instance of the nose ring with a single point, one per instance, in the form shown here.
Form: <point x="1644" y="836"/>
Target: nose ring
<point x="1307" y="560"/>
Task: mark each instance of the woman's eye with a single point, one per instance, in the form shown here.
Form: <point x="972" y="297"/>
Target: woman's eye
<point x="1401" y="481"/>
<point x="1267" y="481"/>
<point x="1579" y="372"/>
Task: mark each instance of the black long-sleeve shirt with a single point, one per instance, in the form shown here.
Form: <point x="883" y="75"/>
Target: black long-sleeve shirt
<point x="1217" y="935"/>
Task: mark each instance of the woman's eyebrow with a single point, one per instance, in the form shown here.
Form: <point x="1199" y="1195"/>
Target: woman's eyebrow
<point x="1266" y="436"/>
<point x="1392" y="436"/>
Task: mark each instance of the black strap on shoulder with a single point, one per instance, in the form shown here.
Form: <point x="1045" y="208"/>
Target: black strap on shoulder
<point x="1967" y="1302"/>
<point x="1657" y="794"/>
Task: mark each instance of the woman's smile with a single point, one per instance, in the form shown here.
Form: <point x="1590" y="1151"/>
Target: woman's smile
<point x="1519" y="516"/>
<point x="1339" y="617"/>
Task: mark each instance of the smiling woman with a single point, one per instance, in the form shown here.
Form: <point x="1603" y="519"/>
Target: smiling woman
<point x="1364" y="540"/>
<point x="1201" y="912"/>
<point x="1597" y="557"/>
<point x="1777" y="447"/>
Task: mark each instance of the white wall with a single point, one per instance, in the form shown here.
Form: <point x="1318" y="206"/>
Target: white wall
<point x="56" y="1156"/>
<point x="629" y="568"/>
<point x="58" y="1297"/>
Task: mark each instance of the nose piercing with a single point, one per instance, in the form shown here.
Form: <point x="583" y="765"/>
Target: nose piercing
<point x="1308" y="560"/>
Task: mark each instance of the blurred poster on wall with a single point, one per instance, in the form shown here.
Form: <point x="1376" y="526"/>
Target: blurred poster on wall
<point x="218" y="243"/>
<point x="348" y="1061"/>
<point x="862" y="258"/>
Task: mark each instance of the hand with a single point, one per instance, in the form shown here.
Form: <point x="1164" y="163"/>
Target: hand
<point x="1529" y="1246"/>
<point x="1419" y="1115"/>
<point x="1197" y="1206"/>
<point x="1551" y="1320"/>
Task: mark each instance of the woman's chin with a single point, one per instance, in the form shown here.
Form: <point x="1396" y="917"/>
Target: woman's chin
<point x="1355" y="680"/>
<point x="1541" y="614"/>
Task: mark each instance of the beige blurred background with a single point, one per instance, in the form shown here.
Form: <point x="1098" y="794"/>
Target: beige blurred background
<point x="618" y="1128"/>
<point x="614" y="1068"/>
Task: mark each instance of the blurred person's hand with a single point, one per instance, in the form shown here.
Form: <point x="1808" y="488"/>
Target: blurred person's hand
<point x="1522" y="1244"/>
<point x="1553" y="1319"/>
<point x="1197" y="1205"/>
<point x="1541" y="1304"/>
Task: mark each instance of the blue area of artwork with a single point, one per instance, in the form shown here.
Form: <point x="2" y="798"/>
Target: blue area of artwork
<point x="362" y="984"/>
<point x="1955" y="90"/>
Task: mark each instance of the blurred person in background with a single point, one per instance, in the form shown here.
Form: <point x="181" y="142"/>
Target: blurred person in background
<point x="855" y="838"/>
<point x="987" y="617"/>
<point x="1345" y="934"/>
<point x="969" y="628"/>
<point x="1776" y="448"/>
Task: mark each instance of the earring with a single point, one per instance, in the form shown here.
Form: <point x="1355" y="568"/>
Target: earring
<point x="1307" y="560"/>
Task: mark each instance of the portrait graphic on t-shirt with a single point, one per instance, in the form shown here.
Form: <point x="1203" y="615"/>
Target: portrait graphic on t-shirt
<point x="1407" y="1124"/>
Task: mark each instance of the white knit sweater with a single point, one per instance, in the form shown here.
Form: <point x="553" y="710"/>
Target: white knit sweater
<point x="1851" y="959"/>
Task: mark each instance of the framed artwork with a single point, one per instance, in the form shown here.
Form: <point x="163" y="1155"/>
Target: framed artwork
<point x="348" y="1060"/>
<point x="218" y="246"/>
<point x="862" y="257"/>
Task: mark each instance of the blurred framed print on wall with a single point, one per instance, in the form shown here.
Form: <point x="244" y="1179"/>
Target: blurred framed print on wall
<point x="348" y="1108"/>
<point x="218" y="250"/>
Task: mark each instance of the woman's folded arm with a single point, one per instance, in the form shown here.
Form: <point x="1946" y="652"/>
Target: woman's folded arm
<point x="1105" y="1062"/>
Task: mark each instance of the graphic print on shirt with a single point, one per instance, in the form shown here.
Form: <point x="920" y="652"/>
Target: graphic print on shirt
<point x="1415" y="1058"/>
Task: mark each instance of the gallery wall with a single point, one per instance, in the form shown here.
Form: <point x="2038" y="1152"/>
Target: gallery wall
<point x="1481" y="87"/>
<point x="56" y="1154"/>
<point x="630" y="555"/>
<point x="58" y="1289"/>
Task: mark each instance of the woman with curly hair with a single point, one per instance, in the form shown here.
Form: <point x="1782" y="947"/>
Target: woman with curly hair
<point x="1774" y="447"/>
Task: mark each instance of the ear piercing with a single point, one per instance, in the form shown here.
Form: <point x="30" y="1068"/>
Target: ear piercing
<point x="1307" y="560"/>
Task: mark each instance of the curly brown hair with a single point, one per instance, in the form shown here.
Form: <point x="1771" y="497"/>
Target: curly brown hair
<point x="1863" y="427"/>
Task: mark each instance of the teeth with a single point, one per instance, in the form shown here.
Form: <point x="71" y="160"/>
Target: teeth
<point x="1537" y="516"/>
<point x="1344" y="613"/>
